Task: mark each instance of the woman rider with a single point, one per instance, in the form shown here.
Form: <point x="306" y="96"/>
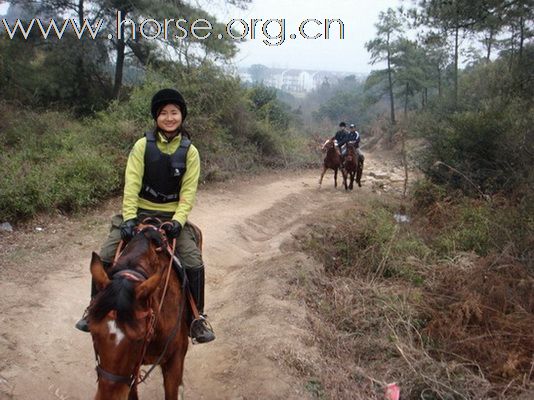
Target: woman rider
<point x="161" y="181"/>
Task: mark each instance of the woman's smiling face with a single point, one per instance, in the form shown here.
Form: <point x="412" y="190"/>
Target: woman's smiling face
<point x="169" y="118"/>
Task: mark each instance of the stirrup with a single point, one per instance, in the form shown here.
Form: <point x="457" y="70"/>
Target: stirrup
<point x="201" y="323"/>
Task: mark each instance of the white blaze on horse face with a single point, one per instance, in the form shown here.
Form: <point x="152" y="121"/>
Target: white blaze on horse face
<point x="181" y="395"/>
<point x="115" y="330"/>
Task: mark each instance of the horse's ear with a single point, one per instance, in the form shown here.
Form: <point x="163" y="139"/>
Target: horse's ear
<point x="98" y="273"/>
<point x="145" y="289"/>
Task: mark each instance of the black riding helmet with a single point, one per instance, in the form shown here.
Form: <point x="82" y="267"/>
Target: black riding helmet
<point x="168" y="96"/>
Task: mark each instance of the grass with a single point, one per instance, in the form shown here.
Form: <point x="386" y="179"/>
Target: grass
<point x="400" y="303"/>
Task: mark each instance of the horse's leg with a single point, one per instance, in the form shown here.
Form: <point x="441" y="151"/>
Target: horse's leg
<point x="173" y="371"/>
<point x="321" y="178"/>
<point x="335" y="177"/>
<point x="359" y="173"/>
<point x="344" y="173"/>
<point x="351" y="186"/>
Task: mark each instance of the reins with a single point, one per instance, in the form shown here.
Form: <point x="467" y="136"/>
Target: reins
<point x="151" y="323"/>
<point x="173" y="333"/>
<point x="176" y="328"/>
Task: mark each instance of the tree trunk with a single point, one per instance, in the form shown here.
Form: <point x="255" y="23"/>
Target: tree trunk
<point x="456" y="32"/>
<point x="80" y="12"/>
<point x="439" y="82"/>
<point x="423" y="99"/>
<point x="489" y="43"/>
<point x="406" y="100"/>
<point x="512" y="49"/>
<point x="82" y="89"/>
<point x="119" y="65"/>
<point x="521" y="39"/>
<point x="390" y="81"/>
<point x="405" y="164"/>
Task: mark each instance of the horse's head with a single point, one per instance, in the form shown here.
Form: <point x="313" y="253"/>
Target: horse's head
<point x="328" y="145"/>
<point x="350" y="155"/>
<point x="351" y="147"/>
<point x="121" y="316"/>
<point x="332" y="151"/>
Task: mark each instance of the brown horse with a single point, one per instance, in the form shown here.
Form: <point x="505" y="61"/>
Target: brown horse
<point x="352" y="167"/>
<point x="332" y="160"/>
<point x="139" y="317"/>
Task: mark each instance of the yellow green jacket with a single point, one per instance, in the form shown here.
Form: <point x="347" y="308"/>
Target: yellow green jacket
<point x="133" y="179"/>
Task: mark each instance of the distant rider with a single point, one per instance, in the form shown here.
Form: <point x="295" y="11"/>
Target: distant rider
<point x="353" y="136"/>
<point x="340" y="137"/>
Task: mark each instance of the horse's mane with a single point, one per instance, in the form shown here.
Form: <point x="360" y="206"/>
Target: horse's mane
<point x="119" y="295"/>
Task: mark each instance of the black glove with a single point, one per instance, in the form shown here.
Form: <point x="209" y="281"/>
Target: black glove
<point x="127" y="229"/>
<point x="172" y="229"/>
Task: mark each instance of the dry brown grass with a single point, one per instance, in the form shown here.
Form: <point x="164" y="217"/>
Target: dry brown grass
<point x="486" y="313"/>
<point x="465" y="332"/>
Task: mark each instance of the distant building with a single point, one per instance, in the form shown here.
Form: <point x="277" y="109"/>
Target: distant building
<point x="295" y="81"/>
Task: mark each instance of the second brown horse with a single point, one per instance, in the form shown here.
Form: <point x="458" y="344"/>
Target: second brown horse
<point x="352" y="167"/>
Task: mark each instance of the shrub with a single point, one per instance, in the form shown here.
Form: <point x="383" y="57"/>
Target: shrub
<point x="52" y="162"/>
<point x="425" y="193"/>
<point x="371" y="243"/>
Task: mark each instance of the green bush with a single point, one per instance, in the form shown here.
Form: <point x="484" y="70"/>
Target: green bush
<point x="425" y="193"/>
<point x="53" y="162"/>
<point x="371" y="243"/>
<point x="481" y="145"/>
<point x="471" y="229"/>
<point x="451" y="222"/>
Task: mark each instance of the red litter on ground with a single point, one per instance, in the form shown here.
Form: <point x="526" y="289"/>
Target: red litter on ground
<point x="392" y="392"/>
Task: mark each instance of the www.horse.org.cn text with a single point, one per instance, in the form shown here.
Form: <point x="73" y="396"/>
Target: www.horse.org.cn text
<point x="272" y="32"/>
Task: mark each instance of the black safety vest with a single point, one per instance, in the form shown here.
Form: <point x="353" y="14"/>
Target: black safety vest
<point x="162" y="178"/>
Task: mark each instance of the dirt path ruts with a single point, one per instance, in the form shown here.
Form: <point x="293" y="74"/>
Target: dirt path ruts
<point x="45" y="287"/>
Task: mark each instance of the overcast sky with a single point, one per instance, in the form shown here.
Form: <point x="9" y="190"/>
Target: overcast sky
<point x="335" y="54"/>
<point x="348" y="54"/>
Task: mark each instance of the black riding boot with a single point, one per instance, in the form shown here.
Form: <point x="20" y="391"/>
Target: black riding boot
<point x="201" y="331"/>
<point x="83" y="324"/>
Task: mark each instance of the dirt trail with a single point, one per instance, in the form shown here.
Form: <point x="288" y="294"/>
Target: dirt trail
<point x="45" y="287"/>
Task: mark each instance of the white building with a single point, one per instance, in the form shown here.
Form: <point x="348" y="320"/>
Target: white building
<point x="295" y="81"/>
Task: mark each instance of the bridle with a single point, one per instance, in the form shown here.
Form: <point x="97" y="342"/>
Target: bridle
<point x="150" y="320"/>
<point x="150" y="315"/>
